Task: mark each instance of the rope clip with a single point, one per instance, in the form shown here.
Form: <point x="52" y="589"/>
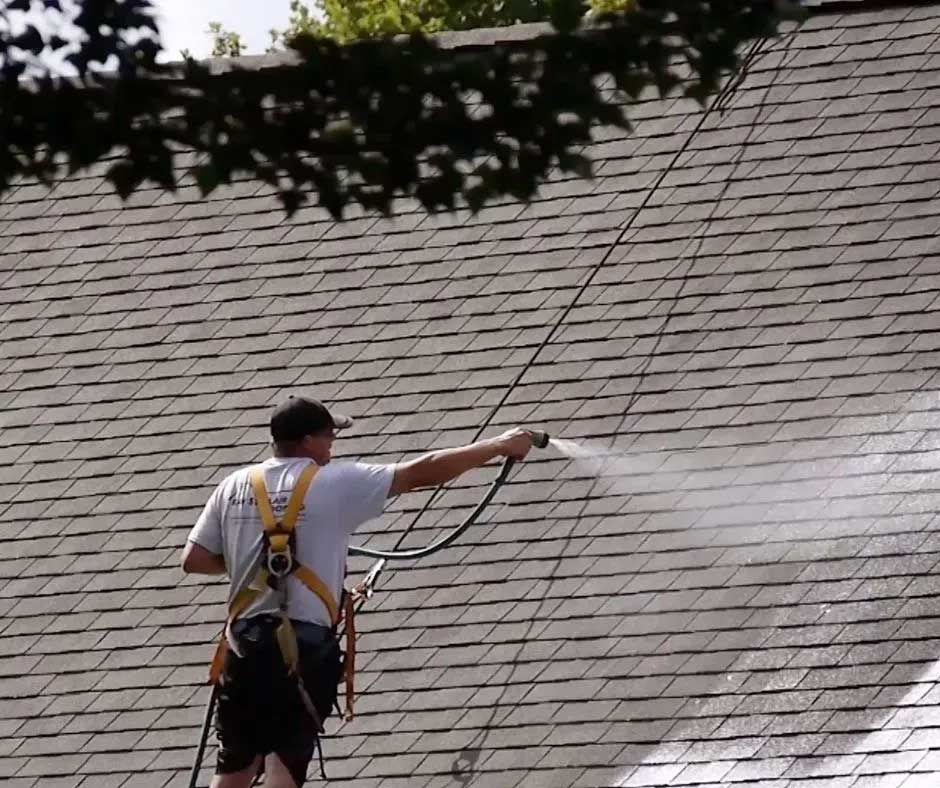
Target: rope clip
<point x="368" y="583"/>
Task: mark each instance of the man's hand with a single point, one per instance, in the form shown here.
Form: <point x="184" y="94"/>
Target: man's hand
<point x="515" y="443"/>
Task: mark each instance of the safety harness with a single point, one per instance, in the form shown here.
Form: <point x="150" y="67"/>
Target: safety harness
<point x="362" y="592"/>
<point x="278" y="562"/>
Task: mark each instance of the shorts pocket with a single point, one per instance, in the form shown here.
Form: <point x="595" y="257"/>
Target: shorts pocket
<point x="322" y="670"/>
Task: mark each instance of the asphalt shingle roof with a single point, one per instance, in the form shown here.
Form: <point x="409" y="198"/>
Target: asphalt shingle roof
<point x="747" y="599"/>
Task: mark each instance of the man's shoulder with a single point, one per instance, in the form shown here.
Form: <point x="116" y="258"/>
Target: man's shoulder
<point x="336" y="471"/>
<point x="354" y="467"/>
<point x="235" y="478"/>
<point x="238" y="474"/>
<point x="352" y="471"/>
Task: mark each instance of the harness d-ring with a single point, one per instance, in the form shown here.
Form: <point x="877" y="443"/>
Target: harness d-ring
<point x="279" y="553"/>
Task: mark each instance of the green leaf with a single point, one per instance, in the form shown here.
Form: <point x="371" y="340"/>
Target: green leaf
<point x="374" y="120"/>
<point x="566" y="15"/>
<point x="124" y="176"/>
<point x="30" y="40"/>
<point x="207" y="178"/>
<point x="291" y="199"/>
<point x="577" y="163"/>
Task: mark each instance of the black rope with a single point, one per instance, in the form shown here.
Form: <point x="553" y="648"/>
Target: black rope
<point x="723" y="93"/>
<point x="718" y="105"/>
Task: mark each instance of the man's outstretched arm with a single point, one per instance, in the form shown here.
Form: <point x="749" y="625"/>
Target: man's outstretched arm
<point x="198" y="560"/>
<point x="440" y="467"/>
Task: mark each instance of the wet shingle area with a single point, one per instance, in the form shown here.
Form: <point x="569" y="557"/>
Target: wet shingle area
<point x="743" y="315"/>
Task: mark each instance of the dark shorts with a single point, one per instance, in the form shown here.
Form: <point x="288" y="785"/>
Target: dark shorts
<point x="259" y="708"/>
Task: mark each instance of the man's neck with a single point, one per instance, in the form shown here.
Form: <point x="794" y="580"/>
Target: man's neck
<point x="292" y="457"/>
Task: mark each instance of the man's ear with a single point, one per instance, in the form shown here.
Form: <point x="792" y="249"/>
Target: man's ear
<point x="308" y="447"/>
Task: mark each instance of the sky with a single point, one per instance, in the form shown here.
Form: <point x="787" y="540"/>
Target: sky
<point x="184" y="23"/>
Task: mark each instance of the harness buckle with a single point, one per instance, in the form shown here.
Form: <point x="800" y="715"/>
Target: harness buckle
<point x="279" y="555"/>
<point x="280" y="564"/>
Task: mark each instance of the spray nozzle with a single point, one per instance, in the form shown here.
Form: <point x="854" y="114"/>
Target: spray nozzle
<point x="539" y="438"/>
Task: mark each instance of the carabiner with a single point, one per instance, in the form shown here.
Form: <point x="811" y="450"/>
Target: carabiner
<point x="280" y="564"/>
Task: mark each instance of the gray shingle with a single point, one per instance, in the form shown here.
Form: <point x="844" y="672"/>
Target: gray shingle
<point x="756" y="579"/>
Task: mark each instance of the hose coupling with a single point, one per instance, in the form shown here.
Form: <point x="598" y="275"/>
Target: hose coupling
<point x="539" y="438"/>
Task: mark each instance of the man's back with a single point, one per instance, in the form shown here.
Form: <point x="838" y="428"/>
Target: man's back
<point x="341" y="497"/>
<point x="265" y="715"/>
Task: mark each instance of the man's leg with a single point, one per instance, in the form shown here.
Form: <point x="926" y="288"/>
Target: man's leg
<point x="243" y="712"/>
<point x="276" y="774"/>
<point x="241" y="779"/>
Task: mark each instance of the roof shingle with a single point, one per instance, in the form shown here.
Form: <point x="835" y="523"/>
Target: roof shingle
<point x="746" y="597"/>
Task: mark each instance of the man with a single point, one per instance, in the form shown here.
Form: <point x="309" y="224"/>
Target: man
<point x="261" y="714"/>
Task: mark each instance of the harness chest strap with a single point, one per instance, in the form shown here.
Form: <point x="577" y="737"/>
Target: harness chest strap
<point x="258" y="585"/>
<point x="278" y="535"/>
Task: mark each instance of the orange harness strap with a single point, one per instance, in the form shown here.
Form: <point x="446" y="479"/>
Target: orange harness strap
<point x="349" y="666"/>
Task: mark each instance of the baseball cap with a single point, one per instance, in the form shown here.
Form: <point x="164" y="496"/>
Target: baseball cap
<point x="300" y="416"/>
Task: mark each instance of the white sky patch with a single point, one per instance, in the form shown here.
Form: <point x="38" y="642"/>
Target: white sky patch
<point x="184" y="24"/>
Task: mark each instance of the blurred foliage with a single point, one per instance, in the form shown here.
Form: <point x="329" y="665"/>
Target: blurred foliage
<point x="224" y="42"/>
<point x="361" y="123"/>
<point x="350" y="20"/>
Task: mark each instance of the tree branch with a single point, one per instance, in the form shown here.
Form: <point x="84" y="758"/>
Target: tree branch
<point x="367" y="122"/>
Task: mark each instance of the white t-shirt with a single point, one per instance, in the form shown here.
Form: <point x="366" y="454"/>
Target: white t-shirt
<point x="342" y="496"/>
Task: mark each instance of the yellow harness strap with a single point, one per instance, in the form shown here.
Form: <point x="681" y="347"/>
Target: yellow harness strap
<point x="241" y="600"/>
<point x="278" y="535"/>
<point x="310" y="579"/>
<point x="279" y="532"/>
